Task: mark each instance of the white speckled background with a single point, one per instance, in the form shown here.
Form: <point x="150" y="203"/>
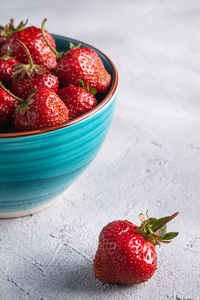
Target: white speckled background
<point x="150" y="159"/>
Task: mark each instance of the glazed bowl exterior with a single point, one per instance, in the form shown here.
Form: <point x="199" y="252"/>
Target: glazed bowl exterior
<point x="37" y="166"/>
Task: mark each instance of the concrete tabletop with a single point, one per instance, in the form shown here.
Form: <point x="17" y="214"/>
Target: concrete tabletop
<point x="150" y="159"/>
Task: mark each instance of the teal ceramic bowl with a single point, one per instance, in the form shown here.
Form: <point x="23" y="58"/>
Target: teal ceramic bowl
<point x="36" y="166"/>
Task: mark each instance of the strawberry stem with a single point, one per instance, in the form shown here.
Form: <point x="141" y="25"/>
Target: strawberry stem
<point x="21" y="101"/>
<point x="30" y="60"/>
<point x="163" y="221"/>
<point x="156" y="229"/>
<point x="29" y="69"/>
<point x="58" y="54"/>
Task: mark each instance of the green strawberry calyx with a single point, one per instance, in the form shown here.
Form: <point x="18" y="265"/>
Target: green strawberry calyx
<point x="9" y="29"/>
<point x="29" y="69"/>
<point x="86" y="87"/>
<point x="21" y="104"/>
<point x="155" y="230"/>
<point x="7" y="56"/>
<point x="25" y="104"/>
<point x="73" y="46"/>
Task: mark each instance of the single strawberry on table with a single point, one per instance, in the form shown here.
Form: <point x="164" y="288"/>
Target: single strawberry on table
<point x="80" y="64"/>
<point x="77" y="99"/>
<point x="34" y="41"/>
<point x="42" y="109"/>
<point x="7" y="108"/>
<point x="6" y="68"/>
<point x="126" y="253"/>
<point x="29" y="76"/>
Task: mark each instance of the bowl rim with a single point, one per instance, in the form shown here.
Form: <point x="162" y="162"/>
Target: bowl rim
<point x="104" y="102"/>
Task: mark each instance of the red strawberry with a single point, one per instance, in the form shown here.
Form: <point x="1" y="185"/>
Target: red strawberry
<point x="126" y="252"/>
<point x="6" y="69"/>
<point x="28" y="77"/>
<point x="22" y="87"/>
<point x="32" y="38"/>
<point x="7" y="107"/>
<point x="2" y="40"/>
<point x="81" y="64"/>
<point x="8" y="30"/>
<point x="42" y="109"/>
<point x="77" y="100"/>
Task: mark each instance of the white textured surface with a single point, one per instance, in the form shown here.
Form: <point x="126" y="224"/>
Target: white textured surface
<point x="150" y="159"/>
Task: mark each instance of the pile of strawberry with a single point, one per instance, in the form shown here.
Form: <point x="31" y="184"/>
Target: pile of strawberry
<point x="41" y="87"/>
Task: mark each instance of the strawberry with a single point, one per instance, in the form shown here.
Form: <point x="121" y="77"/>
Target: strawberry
<point x="42" y="109"/>
<point x="6" y="68"/>
<point x="83" y="63"/>
<point x="22" y="87"/>
<point x="7" y="107"/>
<point x="28" y="77"/>
<point x="77" y="99"/>
<point x="80" y="64"/>
<point x="126" y="252"/>
<point x="8" y="30"/>
<point x="32" y="38"/>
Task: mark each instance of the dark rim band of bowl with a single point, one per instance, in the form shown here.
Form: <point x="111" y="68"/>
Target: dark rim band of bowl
<point x="80" y="118"/>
